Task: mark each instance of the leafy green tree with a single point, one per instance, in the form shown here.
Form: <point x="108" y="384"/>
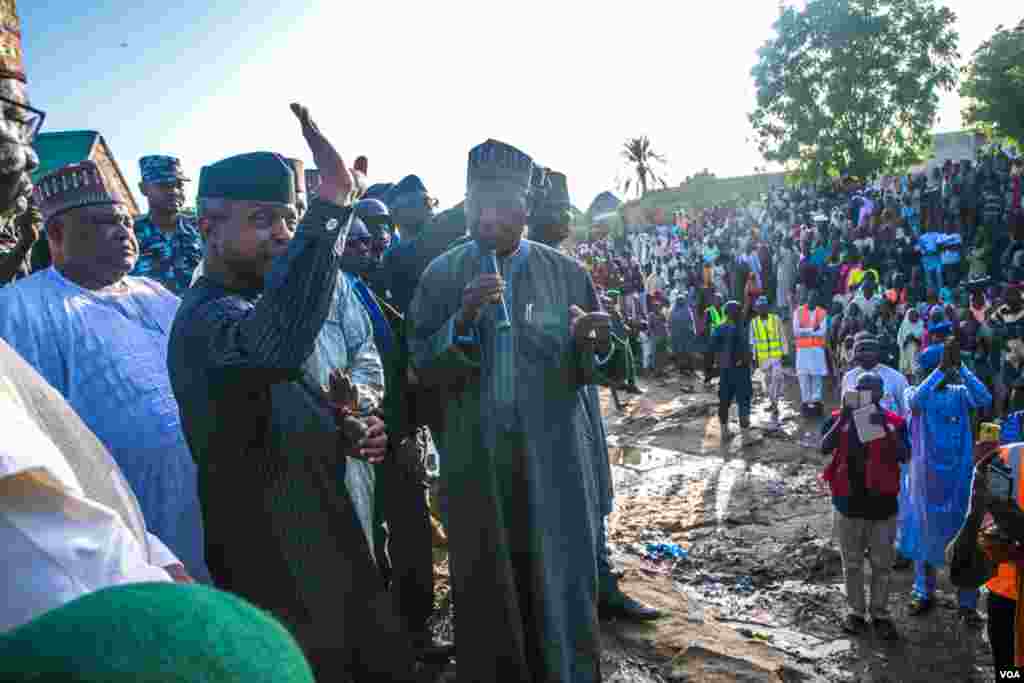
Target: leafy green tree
<point x="852" y="86"/>
<point x="994" y="85"/>
<point x="643" y="163"/>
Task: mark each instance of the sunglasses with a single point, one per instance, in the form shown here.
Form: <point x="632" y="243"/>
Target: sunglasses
<point x="29" y="118"/>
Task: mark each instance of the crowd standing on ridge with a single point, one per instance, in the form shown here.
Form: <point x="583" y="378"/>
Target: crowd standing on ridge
<point x="222" y="430"/>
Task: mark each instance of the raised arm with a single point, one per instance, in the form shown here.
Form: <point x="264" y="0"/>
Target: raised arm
<point x="916" y="396"/>
<point x="978" y="395"/>
<point x="275" y="335"/>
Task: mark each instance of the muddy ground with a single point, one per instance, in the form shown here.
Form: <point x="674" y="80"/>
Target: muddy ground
<point x="758" y="594"/>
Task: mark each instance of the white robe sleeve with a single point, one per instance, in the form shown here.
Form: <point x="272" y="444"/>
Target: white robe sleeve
<point x="159" y="554"/>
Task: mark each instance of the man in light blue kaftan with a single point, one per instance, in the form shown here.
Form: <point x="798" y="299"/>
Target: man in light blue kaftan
<point x="346" y="342"/>
<point x="100" y="338"/>
<point x="937" y="483"/>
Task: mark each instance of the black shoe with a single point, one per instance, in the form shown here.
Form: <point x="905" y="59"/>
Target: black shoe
<point x="633" y="389"/>
<point x="618" y="605"/>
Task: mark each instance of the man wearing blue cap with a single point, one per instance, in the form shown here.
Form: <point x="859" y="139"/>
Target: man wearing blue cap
<point x="170" y="246"/>
<point x="271" y="359"/>
<point x="934" y="503"/>
<point x="510" y="331"/>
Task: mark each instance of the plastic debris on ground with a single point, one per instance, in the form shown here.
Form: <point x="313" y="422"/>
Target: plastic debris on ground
<point x="666" y="551"/>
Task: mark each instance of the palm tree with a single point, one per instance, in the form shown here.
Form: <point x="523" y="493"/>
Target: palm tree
<point x="640" y="159"/>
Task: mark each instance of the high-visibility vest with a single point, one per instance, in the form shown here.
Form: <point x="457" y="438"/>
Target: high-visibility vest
<point x="856" y="276"/>
<point x="805" y="322"/>
<point x="1005" y="581"/>
<point x="716" y="318"/>
<point x="767" y="338"/>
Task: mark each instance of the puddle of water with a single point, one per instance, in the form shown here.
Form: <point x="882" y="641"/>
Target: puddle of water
<point x="653" y="471"/>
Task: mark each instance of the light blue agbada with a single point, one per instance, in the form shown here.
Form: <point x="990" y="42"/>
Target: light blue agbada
<point x="346" y="342"/>
<point x="106" y="352"/>
<point x="936" y="485"/>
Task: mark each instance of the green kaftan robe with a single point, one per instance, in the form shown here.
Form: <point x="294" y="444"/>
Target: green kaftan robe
<point x="523" y="499"/>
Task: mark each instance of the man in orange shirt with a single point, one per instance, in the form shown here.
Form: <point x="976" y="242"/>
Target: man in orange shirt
<point x="993" y="556"/>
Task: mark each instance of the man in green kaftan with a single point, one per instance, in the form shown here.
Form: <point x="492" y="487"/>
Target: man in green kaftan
<point x="523" y="498"/>
<point x="286" y="498"/>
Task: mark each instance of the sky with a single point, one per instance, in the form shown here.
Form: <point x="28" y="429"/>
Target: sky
<point x="414" y="86"/>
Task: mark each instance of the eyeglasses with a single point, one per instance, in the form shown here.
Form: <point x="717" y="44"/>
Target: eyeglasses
<point x="29" y="118"/>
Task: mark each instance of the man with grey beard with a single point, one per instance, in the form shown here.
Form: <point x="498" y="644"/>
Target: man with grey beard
<point x="19" y="227"/>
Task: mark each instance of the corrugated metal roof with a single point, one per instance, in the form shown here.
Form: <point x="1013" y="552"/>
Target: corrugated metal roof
<point x="61" y="148"/>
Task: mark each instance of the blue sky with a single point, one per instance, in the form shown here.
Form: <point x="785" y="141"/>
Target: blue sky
<point x="415" y="85"/>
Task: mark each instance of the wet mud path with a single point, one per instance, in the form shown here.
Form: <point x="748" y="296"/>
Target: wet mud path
<point x="754" y="589"/>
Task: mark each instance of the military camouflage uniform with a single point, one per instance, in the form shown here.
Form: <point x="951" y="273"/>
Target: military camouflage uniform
<point x="170" y="260"/>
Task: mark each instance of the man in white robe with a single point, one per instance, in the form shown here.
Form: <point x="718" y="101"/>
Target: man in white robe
<point x="100" y="338"/>
<point x="69" y="524"/>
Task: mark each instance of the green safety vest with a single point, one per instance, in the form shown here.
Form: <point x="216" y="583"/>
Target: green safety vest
<point x="716" y="318"/>
<point x="767" y="338"/>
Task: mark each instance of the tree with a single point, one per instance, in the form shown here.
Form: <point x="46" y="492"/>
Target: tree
<point x="851" y="86"/>
<point x="994" y="85"/>
<point x="641" y="159"/>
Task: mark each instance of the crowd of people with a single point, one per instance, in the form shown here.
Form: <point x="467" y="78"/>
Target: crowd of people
<point x="907" y="292"/>
<point x="247" y="407"/>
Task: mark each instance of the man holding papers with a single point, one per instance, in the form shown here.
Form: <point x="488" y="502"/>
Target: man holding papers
<point x="867" y="443"/>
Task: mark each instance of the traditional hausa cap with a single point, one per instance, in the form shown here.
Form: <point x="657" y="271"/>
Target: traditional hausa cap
<point x="12" y="62"/>
<point x="499" y="162"/>
<point x="553" y="206"/>
<point x="74" y="186"/>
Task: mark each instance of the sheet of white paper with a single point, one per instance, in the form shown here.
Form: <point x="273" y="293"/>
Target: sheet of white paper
<point x="866" y="430"/>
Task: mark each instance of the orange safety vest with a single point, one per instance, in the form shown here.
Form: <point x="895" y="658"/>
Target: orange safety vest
<point x="805" y="321"/>
<point x="1005" y="581"/>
